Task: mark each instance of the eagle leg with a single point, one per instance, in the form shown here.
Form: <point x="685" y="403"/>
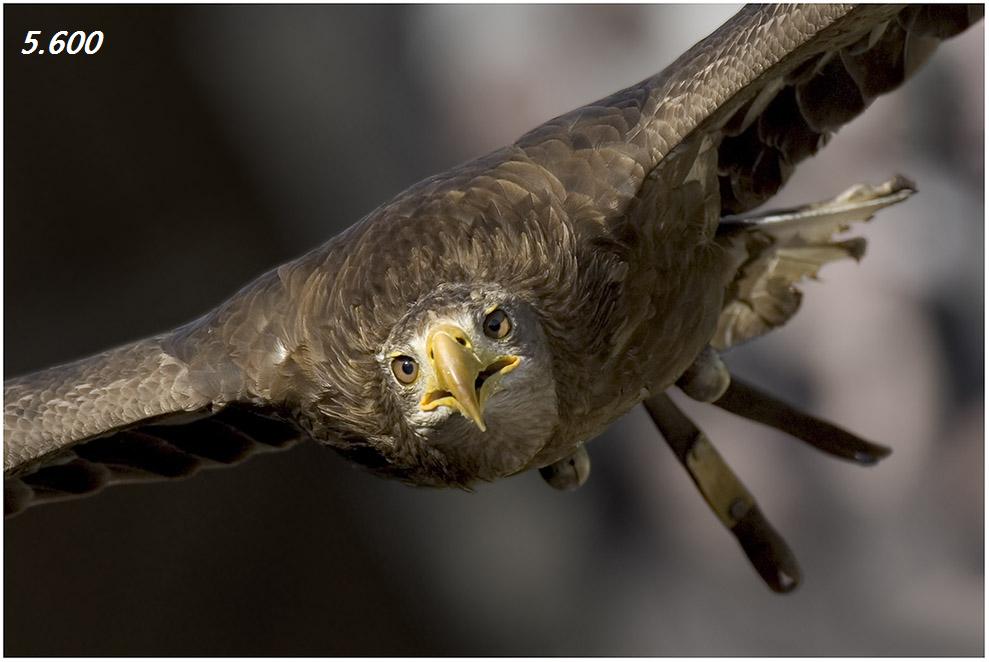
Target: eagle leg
<point x="569" y="473"/>
<point x="751" y="403"/>
<point x="725" y="494"/>
<point x="708" y="380"/>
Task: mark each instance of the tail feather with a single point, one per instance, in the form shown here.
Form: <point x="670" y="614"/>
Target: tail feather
<point x="779" y="249"/>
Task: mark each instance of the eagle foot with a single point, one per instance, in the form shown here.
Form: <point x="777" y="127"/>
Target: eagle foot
<point x="569" y="473"/>
<point x="726" y="495"/>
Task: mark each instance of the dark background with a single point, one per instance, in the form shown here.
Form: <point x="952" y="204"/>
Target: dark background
<point x="202" y="146"/>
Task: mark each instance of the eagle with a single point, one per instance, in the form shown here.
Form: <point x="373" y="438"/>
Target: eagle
<point x="495" y="318"/>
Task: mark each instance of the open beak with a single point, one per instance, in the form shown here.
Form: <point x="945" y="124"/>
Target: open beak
<point x="462" y="380"/>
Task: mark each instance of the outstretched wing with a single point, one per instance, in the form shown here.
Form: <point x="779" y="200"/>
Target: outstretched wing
<point x="50" y="410"/>
<point x="158" y="408"/>
<point x="740" y="109"/>
<point x="719" y="131"/>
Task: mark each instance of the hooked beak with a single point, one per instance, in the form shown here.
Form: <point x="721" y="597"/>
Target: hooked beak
<point x="462" y="380"/>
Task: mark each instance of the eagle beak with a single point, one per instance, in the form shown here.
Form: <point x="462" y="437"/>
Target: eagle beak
<point x="461" y="380"/>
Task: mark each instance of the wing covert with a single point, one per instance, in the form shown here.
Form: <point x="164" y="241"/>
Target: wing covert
<point x="50" y="410"/>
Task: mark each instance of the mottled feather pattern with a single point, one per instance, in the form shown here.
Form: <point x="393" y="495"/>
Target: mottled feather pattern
<point x="604" y="220"/>
<point x="45" y="411"/>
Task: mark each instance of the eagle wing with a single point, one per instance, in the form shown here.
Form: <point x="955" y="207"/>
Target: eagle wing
<point x="158" y="408"/>
<point x="743" y="106"/>
<point x="719" y="131"/>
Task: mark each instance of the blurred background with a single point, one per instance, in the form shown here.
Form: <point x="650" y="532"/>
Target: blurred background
<point x="204" y="145"/>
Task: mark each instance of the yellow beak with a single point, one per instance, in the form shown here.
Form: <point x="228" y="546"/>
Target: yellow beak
<point x="461" y="380"/>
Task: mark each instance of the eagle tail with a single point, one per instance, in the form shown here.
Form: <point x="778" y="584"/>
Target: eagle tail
<point x="776" y="250"/>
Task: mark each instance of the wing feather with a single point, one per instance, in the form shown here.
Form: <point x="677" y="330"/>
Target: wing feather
<point x="768" y="87"/>
<point x="166" y="449"/>
<point x="49" y="410"/>
<point x="163" y="407"/>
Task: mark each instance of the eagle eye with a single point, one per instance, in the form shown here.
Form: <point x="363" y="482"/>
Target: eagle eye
<point x="405" y="369"/>
<point x="497" y="325"/>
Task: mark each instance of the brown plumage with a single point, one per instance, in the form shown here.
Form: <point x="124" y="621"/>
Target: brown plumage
<point x="601" y="227"/>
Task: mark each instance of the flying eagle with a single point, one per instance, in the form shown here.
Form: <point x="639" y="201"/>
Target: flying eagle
<point x="496" y="317"/>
